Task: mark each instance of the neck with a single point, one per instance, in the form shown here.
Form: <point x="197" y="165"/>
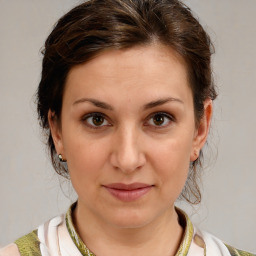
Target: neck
<point x="161" y="236"/>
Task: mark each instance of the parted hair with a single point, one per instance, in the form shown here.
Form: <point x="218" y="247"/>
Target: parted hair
<point x="97" y="25"/>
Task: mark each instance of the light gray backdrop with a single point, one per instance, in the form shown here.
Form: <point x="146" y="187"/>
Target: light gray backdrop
<point x="29" y="190"/>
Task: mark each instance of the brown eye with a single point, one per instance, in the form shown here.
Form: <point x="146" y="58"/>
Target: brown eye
<point x="95" y="120"/>
<point x="159" y="119"/>
<point x="98" y="120"/>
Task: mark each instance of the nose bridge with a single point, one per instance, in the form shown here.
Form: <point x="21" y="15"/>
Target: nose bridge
<point x="127" y="152"/>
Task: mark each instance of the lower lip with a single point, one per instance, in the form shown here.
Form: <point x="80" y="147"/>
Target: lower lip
<point x="129" y="195"/>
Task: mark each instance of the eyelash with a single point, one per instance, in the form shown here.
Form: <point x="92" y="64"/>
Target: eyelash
<point x="163" y="114"/>
<point x="98" y="114"/>
<point x="93" y="115"/>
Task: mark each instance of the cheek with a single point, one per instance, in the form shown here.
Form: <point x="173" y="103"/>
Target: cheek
<point x="86" y="160"/>
<point x="172" y="162"/>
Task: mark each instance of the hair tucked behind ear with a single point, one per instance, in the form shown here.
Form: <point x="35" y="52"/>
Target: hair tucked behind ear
<point x="97" y="25"/>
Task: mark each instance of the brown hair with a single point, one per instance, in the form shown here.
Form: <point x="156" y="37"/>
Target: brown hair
<point x="96" y="25"/>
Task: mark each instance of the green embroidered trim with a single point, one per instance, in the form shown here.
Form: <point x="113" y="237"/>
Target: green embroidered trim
<point x="188" y="235"/>
<point x="183" y="249"/>
<point x="29" y="244"/>
<point x="235" y="252"/>
<point x="75" y="237"/>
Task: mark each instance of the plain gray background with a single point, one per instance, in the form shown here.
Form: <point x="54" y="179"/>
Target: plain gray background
<point x="30" y="192"/>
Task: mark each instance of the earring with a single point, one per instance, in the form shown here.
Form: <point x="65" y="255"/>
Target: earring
<point x="61" y="158"/>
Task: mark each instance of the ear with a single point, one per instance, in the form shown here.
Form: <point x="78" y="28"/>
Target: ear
<point x="202" y="130"/>
<point x="55" y="129"/>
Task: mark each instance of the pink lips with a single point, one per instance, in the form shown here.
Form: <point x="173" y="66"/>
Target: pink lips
<point x="128" y="192"/>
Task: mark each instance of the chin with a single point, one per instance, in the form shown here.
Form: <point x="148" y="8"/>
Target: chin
<point x="131" y="219"/>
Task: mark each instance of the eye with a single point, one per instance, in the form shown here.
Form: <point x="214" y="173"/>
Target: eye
<point x="160" y="119"/>
<point x="95" y="120"/>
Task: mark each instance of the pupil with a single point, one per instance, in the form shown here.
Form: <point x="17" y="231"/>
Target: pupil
<point x="98" y="120"/>
<point x="158" y="119"/>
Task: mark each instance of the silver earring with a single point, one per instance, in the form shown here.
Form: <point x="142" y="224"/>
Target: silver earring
<point x="61" y="159"/>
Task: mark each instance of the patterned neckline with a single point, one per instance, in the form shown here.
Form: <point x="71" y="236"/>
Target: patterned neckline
<point x="84" y="250"/>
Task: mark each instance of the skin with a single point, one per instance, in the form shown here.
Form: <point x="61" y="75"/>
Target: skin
<point x="129" y="145"/>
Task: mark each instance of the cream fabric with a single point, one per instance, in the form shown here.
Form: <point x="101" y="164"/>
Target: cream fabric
<point x="56" y="241"/>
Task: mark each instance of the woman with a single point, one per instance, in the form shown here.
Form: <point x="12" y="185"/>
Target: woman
<point x="126" y="98"/>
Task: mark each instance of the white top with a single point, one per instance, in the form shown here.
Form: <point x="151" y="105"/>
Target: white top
<point x="56" y="241"/>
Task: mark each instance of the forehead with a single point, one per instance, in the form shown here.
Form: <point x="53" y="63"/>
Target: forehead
<point x="148" y="70"/>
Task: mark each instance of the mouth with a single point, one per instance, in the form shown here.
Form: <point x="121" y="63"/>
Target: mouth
<point x="128" y="192"/>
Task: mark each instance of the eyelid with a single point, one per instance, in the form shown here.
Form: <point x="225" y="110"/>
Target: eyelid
<point x="165" y="114"/>
<point x="93" y="114"/>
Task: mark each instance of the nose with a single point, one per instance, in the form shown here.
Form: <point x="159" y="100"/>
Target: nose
<point x="127" y="151"/>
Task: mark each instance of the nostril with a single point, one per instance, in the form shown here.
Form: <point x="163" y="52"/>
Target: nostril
<point x="127" y="155"/>
<point x="127" y="163"/>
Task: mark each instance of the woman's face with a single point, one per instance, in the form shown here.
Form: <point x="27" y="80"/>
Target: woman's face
<point x="128" y="134"/>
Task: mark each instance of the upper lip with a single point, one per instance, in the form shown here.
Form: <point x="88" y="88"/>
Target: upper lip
<point x="122" y="186"/>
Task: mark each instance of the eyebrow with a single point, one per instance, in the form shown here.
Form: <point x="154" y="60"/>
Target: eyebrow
<point x="149" y="105"/>
<point x="160" y="102"/>
<point x="95" y="102"/>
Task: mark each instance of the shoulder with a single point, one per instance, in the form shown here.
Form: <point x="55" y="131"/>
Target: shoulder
<point x="236" y="252"/>
<point x="29" y="244"/>
<point x="26" y="245"/>
<point x="10" y="250"/>
<point x="36" y="241"/>
<point x="215" y="246"/>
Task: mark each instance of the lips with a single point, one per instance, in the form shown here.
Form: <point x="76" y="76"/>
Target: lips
<point x="128" y="192"/>
<point x="132" y="186"/>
